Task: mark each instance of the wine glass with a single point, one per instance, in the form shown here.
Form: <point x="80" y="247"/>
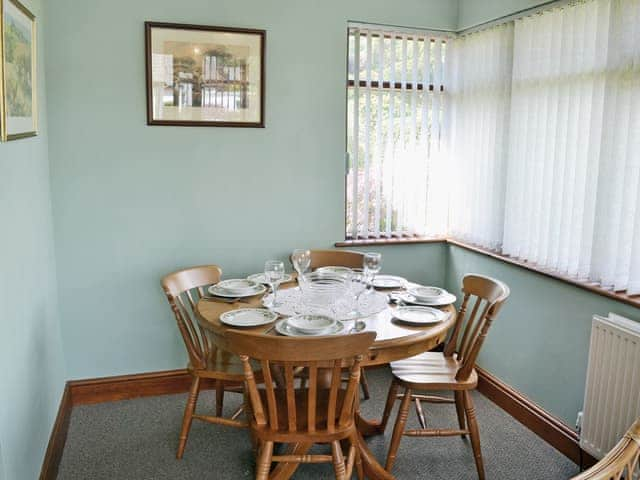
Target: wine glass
<point x="301" y="260"/>
<point x="357" y="286"/>
<point x="274" y="273"/>
<point x="372" y="263"/>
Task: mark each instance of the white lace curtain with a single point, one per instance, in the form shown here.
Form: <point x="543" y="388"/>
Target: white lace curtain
<point x="548" y="161"/>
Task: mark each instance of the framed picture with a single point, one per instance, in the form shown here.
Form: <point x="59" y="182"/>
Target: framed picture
<point x="18" y="71"/>
<point x="204" y="76"/>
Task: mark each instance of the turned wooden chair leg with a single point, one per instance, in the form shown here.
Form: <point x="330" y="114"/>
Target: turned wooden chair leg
<point x="391" y="400"/>
<point x="398" y="429"/>
<point x="263" y="465"/>
<point x="474" y="433"/>
<point x="219" y="397"/>
<point x="338" y="461"/>
<point x="459" y="398"/>
<point x="358" y="461"/>
<point x="188" y="415"/>
<point x="365" y="385"/>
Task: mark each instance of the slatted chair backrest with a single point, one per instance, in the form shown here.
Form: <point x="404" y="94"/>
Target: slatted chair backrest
<point x="337" y="258"/>
<point x="487" y="295"/>
<point x="623" y="461"/>
<point x="183" y="290"/>
<point x="293" y="355"/>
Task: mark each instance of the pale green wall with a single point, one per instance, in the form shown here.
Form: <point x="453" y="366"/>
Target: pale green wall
<point x="32" y="374"/>
<point x="540" y="342"/>
<point x="473" y="12"/>
<point x="134" y="202"/>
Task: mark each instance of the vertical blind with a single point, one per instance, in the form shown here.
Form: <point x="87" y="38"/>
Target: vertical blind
<point x="570" y="164"/>
<point x="530" y="129"/>
<point x="395" y="122"/>
<point x="480" y="89"/>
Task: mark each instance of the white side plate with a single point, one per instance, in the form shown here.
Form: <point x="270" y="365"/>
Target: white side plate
<point x="248" y="317"/>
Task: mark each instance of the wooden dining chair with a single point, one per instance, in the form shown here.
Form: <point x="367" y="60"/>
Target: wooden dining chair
<point x="451" y="370"/>
<point x="183" y="290"/>
<point x="623" y="461"/>
<point x="322" y="412"/>
<point x="341" y="258"/>
<point x="336" y="258"/>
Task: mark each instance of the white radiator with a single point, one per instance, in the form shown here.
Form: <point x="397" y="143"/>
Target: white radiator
<point x="612" y="393"/>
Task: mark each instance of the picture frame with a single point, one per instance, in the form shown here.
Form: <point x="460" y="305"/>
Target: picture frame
<point x="199" y="75"/>
<point x="18" y="92"/>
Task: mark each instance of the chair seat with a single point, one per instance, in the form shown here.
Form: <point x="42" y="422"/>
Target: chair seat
<point x="221" y="365"/>
<point x="302" y="424"/>
<point x="432" y="371"/>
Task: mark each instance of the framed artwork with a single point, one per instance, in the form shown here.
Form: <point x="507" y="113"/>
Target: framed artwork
<point x="204" y="76"/>
<point x="18" y="71"/>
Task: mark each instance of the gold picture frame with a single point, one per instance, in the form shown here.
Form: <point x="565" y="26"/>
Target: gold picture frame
<point x="18" y="91"/>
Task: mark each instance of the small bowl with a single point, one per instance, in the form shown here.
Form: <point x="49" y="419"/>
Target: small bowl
<point x="427" y="294"/>
<point x="311" y="324"/>
<point x="238" y="286"/>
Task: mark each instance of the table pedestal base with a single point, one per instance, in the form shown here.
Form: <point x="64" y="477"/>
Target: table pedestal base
<point x="372" y="468"/>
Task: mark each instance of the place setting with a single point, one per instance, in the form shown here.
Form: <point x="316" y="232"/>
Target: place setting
<point x="425" y="296"/>
<point x="233" y="290"/>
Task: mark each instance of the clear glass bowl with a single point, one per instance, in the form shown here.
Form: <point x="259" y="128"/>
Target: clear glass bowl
<point x="320" y="292"/>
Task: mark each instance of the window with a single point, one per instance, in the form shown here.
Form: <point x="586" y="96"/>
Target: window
<point x="396" y="110"/>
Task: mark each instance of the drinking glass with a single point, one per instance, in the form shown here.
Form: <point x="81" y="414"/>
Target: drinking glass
<point x="274" y="273"/>
<point x="301" y="260"/>
<point x="372" y="263"/>
<point x="357" y="286"/>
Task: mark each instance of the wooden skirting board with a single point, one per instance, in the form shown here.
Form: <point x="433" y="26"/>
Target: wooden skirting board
<point x="82" y="392"/>
<point x="548" y="427"/>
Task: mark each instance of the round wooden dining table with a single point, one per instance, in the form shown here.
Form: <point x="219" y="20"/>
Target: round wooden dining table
<point x="394" y="341"/>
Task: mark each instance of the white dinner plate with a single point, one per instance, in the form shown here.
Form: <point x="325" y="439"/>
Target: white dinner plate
<point x="389" y="281"/>
<point x="335" y="270"/>
<point x="283" y="328"/>
<point x="221" y="292"/>
<point x="446" y="299"/>
<point x="416" y="315"/>
<point x="311" y="324"/>
<point x="248" y="317"/>
<point x="260" y="278"/>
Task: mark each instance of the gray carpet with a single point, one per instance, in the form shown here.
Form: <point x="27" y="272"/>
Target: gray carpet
<point x="137" y="439"/>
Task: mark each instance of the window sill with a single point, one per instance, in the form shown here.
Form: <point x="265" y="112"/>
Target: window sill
<point x="633" y="300"/>
<point x="361" y="242"/>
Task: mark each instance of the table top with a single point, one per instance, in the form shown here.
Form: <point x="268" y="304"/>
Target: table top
<point x="394" y="341"/>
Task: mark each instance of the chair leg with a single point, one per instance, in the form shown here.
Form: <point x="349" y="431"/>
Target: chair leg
<point x="398" y="429"/>
<point x="391" y="400"/>
<point x="219" y="397"/>
<point x="263" y="465"/>
<point x="338" y="461"/>
<point x="474" y="433"/>
<point x="358" y="462"/>
<point x="459" y="398"/>
<point x="364" y="384"/>
<point x="188" y="415"/>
